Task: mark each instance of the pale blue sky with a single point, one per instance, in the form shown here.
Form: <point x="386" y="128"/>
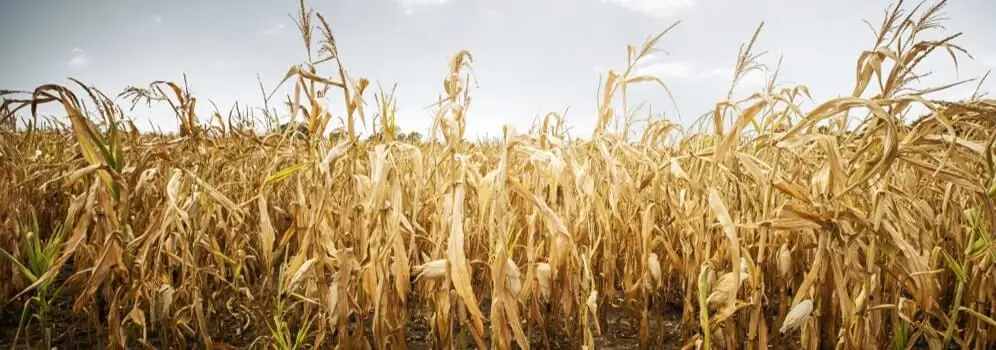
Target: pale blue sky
<point x="530" y="56"/>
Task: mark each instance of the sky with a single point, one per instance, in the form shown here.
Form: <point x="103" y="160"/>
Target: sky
<point x="530" y="57"/>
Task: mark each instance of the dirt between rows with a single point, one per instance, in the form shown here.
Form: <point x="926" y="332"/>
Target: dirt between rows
<point x="619" y="330"/>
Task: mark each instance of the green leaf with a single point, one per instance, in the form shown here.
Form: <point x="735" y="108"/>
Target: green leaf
<point x="977" y="247"/>
<point x="283" y="174"/>
<point x="978" y="315"/>
<point x="955" y="267"/>
<point x="302" y="333"/>
<point x="902" y="334"/>
<point x="24" y="270"/>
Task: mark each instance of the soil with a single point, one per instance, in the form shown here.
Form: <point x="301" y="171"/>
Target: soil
<point x="620" y="330"/>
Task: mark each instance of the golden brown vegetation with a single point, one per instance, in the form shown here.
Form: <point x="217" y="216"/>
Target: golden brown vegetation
<point x="778" y="226"/>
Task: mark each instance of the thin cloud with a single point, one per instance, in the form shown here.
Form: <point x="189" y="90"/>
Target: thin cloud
<point x="78" y="58"/>
<point x="685" y="70"/>
<point x="752" y="79"/>
<point x="653" y="66"/>
<point x="677" y="70"/>
<point x="274" y="30"/>
<point x="409" y="6"/>
<point x="654" y="8"/>
<point x="158" y="19"/>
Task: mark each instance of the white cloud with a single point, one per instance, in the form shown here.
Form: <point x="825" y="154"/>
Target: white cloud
<point x="654" y="8"/>
<point x="754" y="78"/>
<point x="409" y="6"/>
<point x="274" y="30"/>
<point x="78" y="58"/>
<point x="676" y="70"/>
<point x="686" y="70"/>
<point x="158" y="19"/>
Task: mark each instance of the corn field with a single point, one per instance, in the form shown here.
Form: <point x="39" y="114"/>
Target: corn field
<point x="855" y="223"/>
